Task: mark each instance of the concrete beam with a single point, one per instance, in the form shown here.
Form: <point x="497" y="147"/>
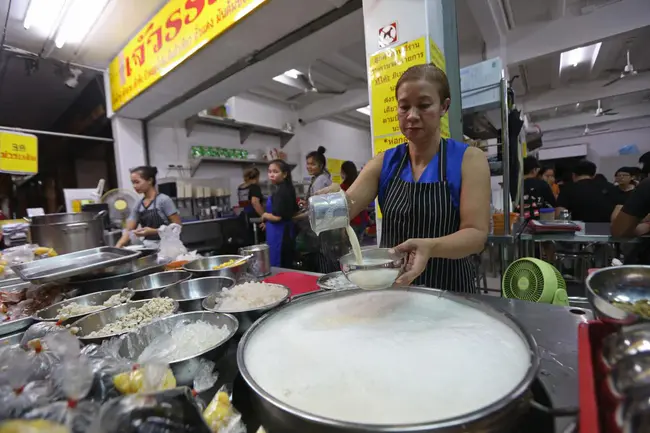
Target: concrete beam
<point x="490" y="20"/>
<point x="533" y="41"/>
<point x="583" y="92"/>
<point x="582" y="119"/>
<point x="350" y="100"/>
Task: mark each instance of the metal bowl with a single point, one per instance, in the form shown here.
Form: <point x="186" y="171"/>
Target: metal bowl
<point x="628" y="341"/>
<point x="190" y="294"/>
<point x="204" y="267"/>
<point x="149" y="286"/>
<point x="15" y="325"/>
<point x="375" y="259"/>
<point x="50" y="313"/>
<point x="96" y="321"/>
<point x="184" y="369"/>
<point x="127" y="272"/>
<point x="498" y="417"/>
<point x="247" y="317"/>
<point x="631" y="374"/>
<point x="625" y="284"/>
<point x="12" y="339"/>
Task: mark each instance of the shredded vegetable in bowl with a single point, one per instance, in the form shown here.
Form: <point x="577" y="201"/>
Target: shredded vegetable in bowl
<point x="247" y="296"/>
<point x="184" y="340"/>
<point x="75" y="309"/>
<point x="156" y="307"/>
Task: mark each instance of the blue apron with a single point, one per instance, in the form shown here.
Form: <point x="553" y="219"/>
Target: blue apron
<point x="275" y="236"/>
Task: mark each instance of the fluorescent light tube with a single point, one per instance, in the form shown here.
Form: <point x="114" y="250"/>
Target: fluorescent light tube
<point x="78" y="20"/>
<point x="42" y="15"/>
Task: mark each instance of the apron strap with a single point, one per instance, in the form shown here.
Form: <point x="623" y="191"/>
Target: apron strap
<point x="442" y="160"/>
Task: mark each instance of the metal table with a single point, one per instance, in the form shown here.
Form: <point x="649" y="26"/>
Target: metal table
<point x="556" y="331"/>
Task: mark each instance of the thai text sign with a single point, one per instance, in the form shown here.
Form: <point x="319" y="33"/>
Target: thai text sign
<point x="18" y="153"/>
<point x="177" y="31"/>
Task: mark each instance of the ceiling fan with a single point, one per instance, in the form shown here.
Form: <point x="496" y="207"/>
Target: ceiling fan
<point x="600" y="112"/>
<point x="588" y="131"/>
<point x="627" y="71"/>
<point x="309" y="87"/>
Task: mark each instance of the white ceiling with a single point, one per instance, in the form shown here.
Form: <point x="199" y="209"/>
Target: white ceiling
<point x="37" y="100"/>
<point x="539" y="78"/>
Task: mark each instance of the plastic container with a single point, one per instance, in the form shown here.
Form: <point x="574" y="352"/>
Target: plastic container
<point x="499" y="222"/>
<point x="547" y="214"/>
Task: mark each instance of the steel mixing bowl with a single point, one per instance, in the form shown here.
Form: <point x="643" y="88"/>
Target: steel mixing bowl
<point x="184" y="369"/>
<point x="619" y="284"/>
<point x="365" y="276"/>
<point x="50" y="314"/>
<point x="246" y="317"/>
<point x="628" y="341"/>
<point x="96" y="321"/>
<point x="149" y="286"/>
<point x="204" y="267"/>
<point x="191" y="293"/>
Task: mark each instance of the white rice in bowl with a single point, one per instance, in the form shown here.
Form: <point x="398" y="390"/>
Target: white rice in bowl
<point x="249" y="296"/>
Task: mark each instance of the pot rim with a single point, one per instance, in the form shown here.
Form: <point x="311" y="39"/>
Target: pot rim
<point x="517" y="392"/>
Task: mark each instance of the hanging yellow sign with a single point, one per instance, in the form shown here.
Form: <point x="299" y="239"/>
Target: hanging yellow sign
<point x="177" y="31"/>
<point x="18" y="153"/>
<point x="334" y="167"/>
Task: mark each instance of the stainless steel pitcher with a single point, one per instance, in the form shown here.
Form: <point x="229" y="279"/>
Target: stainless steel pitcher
<point x="329" y="212"/>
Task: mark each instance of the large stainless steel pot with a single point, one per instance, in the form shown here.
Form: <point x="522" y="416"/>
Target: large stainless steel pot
<point x="499" y="417"/>
<point x="68" y="232"/>
<point x="260" y="263"/>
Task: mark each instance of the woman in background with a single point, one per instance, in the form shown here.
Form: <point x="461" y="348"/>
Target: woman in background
<point x="280" y="209"/>
<point x="349" y="174"/>
<point x="317" y="169"/>
<point x="154" y="211"/>
<point x="548" y="174"/>
<point x="250" y="194"/>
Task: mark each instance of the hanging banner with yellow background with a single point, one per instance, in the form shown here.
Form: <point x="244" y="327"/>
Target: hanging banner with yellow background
<point x="177" y="31"/>
<point x="334" y="167"/>
<point x="18" y="153"/>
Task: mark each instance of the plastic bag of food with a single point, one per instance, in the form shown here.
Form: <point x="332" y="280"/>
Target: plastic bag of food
<point x="33" y="426"/>
<point x="74" y="379"/>
<point x="221" y="416"/>
<point x="41" y="329"/>
<point x="18" y="255"/>
<point x="19" y="393"/>
<point x="105" y="363"/>
<point x="170" y="241"/>
<point x="145" y="378"/>
<point x="204" y="378"/>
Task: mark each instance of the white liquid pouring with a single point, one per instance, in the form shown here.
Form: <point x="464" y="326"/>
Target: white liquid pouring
<point x="356" y="247"/>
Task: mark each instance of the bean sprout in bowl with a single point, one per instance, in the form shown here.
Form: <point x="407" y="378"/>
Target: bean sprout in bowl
<point x="246" y="297"/>
<point x="387" y="361"/>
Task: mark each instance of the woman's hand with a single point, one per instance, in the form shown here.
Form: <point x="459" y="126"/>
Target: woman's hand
<point x="418" y="252"/>
<point x="145" y="231"/>
<point x="265" y="216"/>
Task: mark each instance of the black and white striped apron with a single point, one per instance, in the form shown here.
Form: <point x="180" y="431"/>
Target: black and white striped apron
<point x="426" y="210"/>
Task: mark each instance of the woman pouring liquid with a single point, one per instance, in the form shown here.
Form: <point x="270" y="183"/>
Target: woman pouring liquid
<point x="280" y="209"/>
<point x="434" y="193"/>
<point x="153" y="211"/>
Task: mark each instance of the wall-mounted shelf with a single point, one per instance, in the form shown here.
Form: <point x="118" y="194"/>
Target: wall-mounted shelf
<point x="245" y="129"/>
<point x="197" y="162"/>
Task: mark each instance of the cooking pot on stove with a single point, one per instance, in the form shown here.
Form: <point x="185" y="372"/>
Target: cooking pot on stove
<point x="68" y="232"/>
<point x="276" y="414"/>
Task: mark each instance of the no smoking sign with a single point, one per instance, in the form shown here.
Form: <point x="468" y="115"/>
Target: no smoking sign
<point x="388" y="35"/>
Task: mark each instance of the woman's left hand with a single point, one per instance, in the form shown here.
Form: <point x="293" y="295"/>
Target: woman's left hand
<point x="418" y="252"/>
<point x="145" y="231"/>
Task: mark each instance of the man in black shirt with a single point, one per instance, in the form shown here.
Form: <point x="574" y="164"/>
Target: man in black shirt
<point x="587" y="199"/>
<point x="537" y="192"/>
<point x="632" y="220"/>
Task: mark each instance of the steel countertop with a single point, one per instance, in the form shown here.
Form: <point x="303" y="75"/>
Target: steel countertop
<point x="555" y="329"/>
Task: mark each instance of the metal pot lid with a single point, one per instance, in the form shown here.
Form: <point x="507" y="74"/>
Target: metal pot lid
<point x="387" y="360"/>
<point x="253" y="248"/>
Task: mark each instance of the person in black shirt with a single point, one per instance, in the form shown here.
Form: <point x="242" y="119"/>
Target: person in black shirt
<point x="250" y="194"/>
<point x="632" y="220"/>
<point x="587" y="199"/>
<point x="537" y="192"/>
<point x="624" y="179"/>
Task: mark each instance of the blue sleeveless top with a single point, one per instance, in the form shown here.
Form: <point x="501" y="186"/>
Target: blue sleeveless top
<point x="393" y="157"/>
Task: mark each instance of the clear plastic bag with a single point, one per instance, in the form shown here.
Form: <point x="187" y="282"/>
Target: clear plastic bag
<point x="19" y="393"/>
<point x="18" y="255"/>
<point x="204" y="379"/>
<point x="221" y="416"/>
<point x="105" y="364"/>
<point x="41" y="329"/>
<point x="170" y="242"/>
<point x="74" y="379"/>
<point x="145" y="378"/>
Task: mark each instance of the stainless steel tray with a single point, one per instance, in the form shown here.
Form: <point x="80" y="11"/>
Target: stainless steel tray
<point x="325" y="282"/>
<point x="130" y="271"/>
<point x="11" y="339"/>
<point x="15" y="325"/>
<point x="69" y="265"/>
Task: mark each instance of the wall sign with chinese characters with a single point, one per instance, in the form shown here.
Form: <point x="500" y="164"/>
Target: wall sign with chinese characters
<point x="18" y="153"/>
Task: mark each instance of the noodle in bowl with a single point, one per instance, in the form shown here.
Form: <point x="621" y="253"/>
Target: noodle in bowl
<point x="381" y="361"/>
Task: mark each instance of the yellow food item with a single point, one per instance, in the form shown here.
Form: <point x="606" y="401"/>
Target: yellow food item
<point x="218" y="411"/>
<point x="227" y="264"/>
<point x="131" y="382"/>
<point x="2" y="269"/>
<point x="41" y="251"/>
<point x="34" y="426"/>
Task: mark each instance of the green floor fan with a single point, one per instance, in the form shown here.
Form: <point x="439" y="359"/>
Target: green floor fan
<point x="534" y="280"/>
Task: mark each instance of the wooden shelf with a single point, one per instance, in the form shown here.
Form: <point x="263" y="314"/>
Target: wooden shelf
<point x="197" y="162"/>
<point x="245" y="129"/>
